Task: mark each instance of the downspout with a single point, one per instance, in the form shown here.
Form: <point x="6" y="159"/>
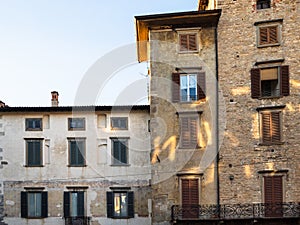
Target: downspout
<point x="217" y="121"/>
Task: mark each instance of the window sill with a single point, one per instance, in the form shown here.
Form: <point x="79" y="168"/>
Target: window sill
<point x="272" y="143"/>
<point x="268" y="45"/>
<point x="77" y="165"/>
<point x="120" y="165"/>
<point x="188" y="52"/>
<point x="34" y="218"/>
<point x="33" y="166"/>
<point x="270" y="97"/>
<point x="123" y="217"/>
<point x="34" y="129"/>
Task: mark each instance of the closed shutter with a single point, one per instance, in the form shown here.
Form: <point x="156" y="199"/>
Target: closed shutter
<point x="130" y="196"/>
<point x="123" y="145"/>
<point x="276" y="127"/>
<point x="80" y="152"/>
<point x="285" y="80"/>
<point x="109" y="204"/>
<point x="183" y="42"/>
<point x="44" y="204"/>
<point x="201" y="89"/>
<point x="189" y="132"/>
<point x="266" y="128"/>
<point x="175" y="87"/>
<point x="192" y="42"/>
<point x="268" y="35"/>
<point x="255" y="83"/>
<point x="273" y="196"/>
<point x="24" y="204"/>
<point x="271" y="127"/>
<point x="80" y="203"/>
<point x="263" y="35"/>
<point x="73" y="152"/>
<point x="66" y="204"/>
<point x="116" y="152"/>
<point x="273" y="35"/>
<point x="190" y="198"/>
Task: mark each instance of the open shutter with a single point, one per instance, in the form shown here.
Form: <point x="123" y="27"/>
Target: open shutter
<point x="176" y="87"/>
<point x="276" y="127"/>
<point x="201" y="88"/>
<point x="44" y="204"/>
<point x="285" y="80"/>
<point x="255" y="83"/>
<point x="130" y="196"/>
<point x="24" y="204"/>
<point x="66" y="204"/>
<point x="109" y="204"/>
<point x="80" y="203"/>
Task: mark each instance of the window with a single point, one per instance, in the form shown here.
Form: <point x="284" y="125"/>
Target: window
<point x="119" y="151"/>
<point x="76" y="151"/>
<point x="74" y="204"/>
<point x="190" y="198"/>
<point x="269" y="32"/>
<point x="34" y="204"/>
<point x="188" y="87"/>
<point x="76" y="123"/>
<point x="120" y="204"/>
<point x="119" y="123"/>
<point x="34" y="153"/>
<point x="273" y="194"/>
<point x="189" y="131"/>
<point x="271" y="127"/>
<point x="188" y="42"/>
<point x="270" y="82"/>
<point x="263" y="4"/>
<point x="33" y="124"/>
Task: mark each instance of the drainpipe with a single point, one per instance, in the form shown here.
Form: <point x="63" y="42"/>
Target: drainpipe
<point x="217" y="120"/>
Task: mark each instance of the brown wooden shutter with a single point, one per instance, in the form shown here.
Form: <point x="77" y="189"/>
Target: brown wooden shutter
<point x="201" y="88"/>
<point x="276" y="127"/>
<point x="273" y="34"/>
<point x="285" y="80"/>
<point x="176" y="87"/>
<point x="263" y="35"/>
<point x="183" y="42"/>
<point x="266" y="128"/>
<point x="255" y="83"/>
<point x="189" y="132"/>
<point x="273" y="192"/>
<point x="190" y="198"/>
<point x="192" y="42"/>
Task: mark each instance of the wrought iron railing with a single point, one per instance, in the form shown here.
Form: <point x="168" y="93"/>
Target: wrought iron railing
<point x="236" y="211"/>
<point x="77" y="220"/>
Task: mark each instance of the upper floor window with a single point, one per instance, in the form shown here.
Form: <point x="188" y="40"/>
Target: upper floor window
<point x="188" y="42"/>
<point x="263" y="4"/>
<point x="76" y="123"/>
<point x="189" y="126"/>
<point x="120" y="204"/>
<point x="270" y="82"/>
<point x="34" y="152"/>
<point x="76" y="151"/>
<point x="33" y="124"/>
<point x="34" y="204"/>
<point x="188" y="87"/>
<point x="119" y="151"/>
<point x="119" y="123"/>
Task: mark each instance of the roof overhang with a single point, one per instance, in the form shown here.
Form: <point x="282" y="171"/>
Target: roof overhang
<point x="209" y="18"/>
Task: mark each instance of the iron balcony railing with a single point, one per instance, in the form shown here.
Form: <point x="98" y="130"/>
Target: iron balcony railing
<point x="77" y="220"/>
<point x="236" y="211"/>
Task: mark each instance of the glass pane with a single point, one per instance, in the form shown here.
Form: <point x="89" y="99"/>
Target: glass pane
<point x="192" y="81"/>
<point x="74" y="206"/>
<point x="34" y="204"/>
<point x="117" y="204"/>
<point x="184" y="95"/>
<point x="193" y="94"/>
<point x="120" y="205"/>
<point x="123" y="201"/>
<point x="183" y="81"/>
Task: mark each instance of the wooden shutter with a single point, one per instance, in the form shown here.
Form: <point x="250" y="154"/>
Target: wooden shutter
<point x="80" y="203"/>
<point x="268" y="35"/>
<point x="266" y="127"/>
<point x="201" y="88"/>
<point x="192" y="42"/>
<point x="273" y="192"/>
<point x="66" y="204"/>
<point x="110" y="204"/>
<point x="116" y="151"/>
<point x="190" y="198"/>
<point x="255" y="83"/>
<point x="285" y="80"/>
<point x="44" y="204"/>
<point x="123" y="149"/>
<point x="263" y="35"/>
<point x="271" y="127"/>
<point x="130" y="203"/>
<point x="176" y="87"/>
<point x="183" y="42"/>
<point x="276" y="127"/>
<point x="24" y="204"/>
<point x="189" y="132"/>
<point x="273" y="34"/>
<point x="80" y="152"/>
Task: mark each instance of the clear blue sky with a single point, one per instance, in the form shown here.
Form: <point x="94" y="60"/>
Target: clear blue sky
<point x="48" y="45"/>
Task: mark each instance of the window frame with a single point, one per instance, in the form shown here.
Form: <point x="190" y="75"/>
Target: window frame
<point x="188" y="48"/>
<point x="27" y="153"/>
<point x="111" y="207"/>
<point x="118" y="120"/>
<point x="25" y="204"/>
<point x="34" y="120"/>
<point x="261" y="2"/>
<point x="76" y="121"/>
<point x="272" y="126"/>
<point x="115" y="161"/>
<point x="76" y="140"/>
<point x="269" y="31"/>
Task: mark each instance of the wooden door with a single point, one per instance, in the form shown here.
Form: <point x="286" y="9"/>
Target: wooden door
<point x="273" y="196"/>
<point x="190" y="198"/>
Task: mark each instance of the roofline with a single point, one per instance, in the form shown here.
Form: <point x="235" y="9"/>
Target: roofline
<point x="65" y="109"/>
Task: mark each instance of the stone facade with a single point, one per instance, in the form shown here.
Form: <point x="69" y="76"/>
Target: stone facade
<point x="99" y="176"/>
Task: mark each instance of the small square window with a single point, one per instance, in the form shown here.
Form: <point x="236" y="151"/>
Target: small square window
<point x="34" y="204"/>
<point x="76" y="123"/>
<point x="77" y="152"/>
<point x="34" y="153"/>
<point x="263" y="4"/>
<point x="188" y="42"/>
<point x="268" y="35"/>
<point x="119" y="151"/>
<point x="119" y="123"/>
<point x="33" y="124"/>
<point x="120" y="204"/>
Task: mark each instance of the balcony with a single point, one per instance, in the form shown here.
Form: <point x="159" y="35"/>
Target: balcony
<point x="236" y="211"/>
<point x="77" y="220"/>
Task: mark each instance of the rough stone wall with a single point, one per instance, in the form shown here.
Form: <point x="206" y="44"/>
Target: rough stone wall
<point x="167" y="157"/>
<point x="240" y="154"/>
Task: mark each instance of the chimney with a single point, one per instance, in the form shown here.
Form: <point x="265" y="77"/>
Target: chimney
<point x="54" y="100"/>
<point x="2" y="104"/>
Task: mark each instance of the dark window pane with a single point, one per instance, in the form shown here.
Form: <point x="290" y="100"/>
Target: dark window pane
<point x="33" y="124"/>
<point x="77" y="152"/>
<point x="34" y="154"/>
